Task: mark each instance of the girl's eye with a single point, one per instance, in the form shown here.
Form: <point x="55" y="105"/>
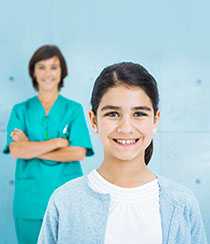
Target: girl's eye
<point x="112" y="114"/>
<point x="139" y="114"/>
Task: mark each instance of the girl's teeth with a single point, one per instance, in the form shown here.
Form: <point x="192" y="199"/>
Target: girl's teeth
<point x="126" y="142"/>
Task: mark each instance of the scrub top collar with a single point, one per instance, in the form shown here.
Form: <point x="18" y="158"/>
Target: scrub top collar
<point x="52" y="107"/>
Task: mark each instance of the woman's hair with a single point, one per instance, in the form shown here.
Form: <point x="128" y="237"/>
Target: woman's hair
<point x="43" y="53"/>
<point x="128" y="74"/>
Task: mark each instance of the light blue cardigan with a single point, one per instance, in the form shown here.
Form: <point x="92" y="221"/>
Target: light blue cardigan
<point x="77" y="215"/>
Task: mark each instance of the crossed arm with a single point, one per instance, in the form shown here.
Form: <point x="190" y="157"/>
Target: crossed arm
<point x="55" y="149"/>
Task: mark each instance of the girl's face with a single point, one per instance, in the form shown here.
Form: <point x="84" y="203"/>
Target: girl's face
<point x="48" y="74"/>
<point x="125" y="122"/>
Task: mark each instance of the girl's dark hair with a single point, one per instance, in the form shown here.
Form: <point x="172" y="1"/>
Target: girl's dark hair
<point x="43" y="53"/>
<point x="129" y="74"/>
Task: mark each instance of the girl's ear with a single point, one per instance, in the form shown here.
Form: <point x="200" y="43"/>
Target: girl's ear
<point x="93" y="121"/>
<point x="156" y="121"/>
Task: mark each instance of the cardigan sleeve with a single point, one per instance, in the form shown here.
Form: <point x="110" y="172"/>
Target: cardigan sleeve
<point x="198" y="234"/>
<point x="49" y="230"/>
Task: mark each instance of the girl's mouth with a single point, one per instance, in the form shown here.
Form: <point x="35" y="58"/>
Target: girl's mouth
<point x="126" y="141"/>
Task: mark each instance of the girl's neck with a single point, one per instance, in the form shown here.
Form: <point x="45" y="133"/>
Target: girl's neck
<point x="126" y="173"/>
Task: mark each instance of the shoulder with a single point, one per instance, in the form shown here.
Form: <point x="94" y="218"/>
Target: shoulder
<point x="72" y="103"/>
<point x="176" y="193"/>
<point x="73" y="192"/>
<point x="21" y="106"/>
<point x="75" y="198"/>
<point x="176" y="196"/>
<point x="75" y="185"/>
<point x="73" y="108"/>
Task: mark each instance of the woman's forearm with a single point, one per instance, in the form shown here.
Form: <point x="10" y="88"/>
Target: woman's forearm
<point x="65" y="154"/>
<point x="31" y="149"/>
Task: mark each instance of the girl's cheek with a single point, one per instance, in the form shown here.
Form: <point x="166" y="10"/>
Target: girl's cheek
<point x="105" y="124"/>
<point x="143" y="125"/>
<point x="146" y="128"/>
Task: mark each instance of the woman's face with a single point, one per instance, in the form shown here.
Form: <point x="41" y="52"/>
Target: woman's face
<point x="48" y="74"/>
<point x="125" y="122"/>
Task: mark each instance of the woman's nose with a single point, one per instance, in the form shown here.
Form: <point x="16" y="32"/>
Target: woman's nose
<point x="47" y="73"/>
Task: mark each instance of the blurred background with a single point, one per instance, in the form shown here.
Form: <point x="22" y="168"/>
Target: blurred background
<point x="170" y="38"/>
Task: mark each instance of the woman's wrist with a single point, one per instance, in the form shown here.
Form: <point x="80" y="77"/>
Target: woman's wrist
<point x="60" y="142"/>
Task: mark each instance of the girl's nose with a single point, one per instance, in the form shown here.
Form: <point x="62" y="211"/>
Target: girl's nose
<point x="125" y="126"/>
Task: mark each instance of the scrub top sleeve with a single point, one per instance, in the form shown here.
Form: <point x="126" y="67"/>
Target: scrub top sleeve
<point x="79" y="134"/>
<point x="15" y="121"/>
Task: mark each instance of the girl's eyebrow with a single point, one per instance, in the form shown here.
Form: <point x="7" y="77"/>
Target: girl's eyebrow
<point x="111" y="107"/>
<point x="142" y="108"/>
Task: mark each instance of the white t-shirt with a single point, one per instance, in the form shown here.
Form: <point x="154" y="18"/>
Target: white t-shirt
<point x="134" y="214"/>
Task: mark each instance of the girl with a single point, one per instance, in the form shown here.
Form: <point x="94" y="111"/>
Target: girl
<point x="123" y="201"/>
<point x="48" y="135"/>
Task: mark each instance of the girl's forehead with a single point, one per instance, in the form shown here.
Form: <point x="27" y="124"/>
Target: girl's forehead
<point x="125" y="95"/>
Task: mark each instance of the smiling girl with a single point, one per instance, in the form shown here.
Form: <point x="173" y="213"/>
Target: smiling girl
<point x="123" y="201"/>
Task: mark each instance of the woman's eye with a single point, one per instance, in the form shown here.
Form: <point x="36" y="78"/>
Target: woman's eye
<point x="139" y="114"/>
<point x="54" y="67"/>
<point x="41" y="67"/>
<point x="112" y="114"/>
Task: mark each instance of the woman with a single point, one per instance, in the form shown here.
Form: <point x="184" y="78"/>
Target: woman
<point x="48" y="135"/>
<point x="123" y="201"/>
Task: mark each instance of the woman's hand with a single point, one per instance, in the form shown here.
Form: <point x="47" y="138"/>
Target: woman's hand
<point x="18" y="135"/>
<point x="61" y="142"/>
<point x="23" y="148"/>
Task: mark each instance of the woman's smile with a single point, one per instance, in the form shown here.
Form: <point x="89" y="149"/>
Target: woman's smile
<point x="48" y="74"/>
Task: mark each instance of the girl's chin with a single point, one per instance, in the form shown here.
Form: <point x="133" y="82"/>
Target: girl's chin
<point x="125" y="157"/>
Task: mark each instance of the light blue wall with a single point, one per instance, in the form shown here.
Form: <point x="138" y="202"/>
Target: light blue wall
<point x="171" y="38"/>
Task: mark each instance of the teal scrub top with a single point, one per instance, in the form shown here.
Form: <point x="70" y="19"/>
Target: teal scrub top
<point x="36" y="179"/>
